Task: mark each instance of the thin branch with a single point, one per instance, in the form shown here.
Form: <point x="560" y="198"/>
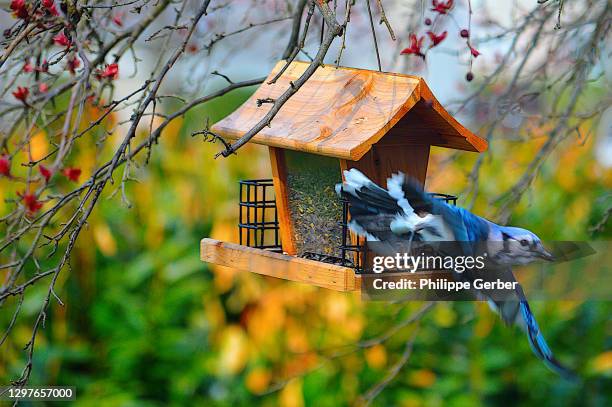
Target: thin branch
<point x="299" y="46"/>
<point x="334" y="29"/>
<point x="373" y="34"/>
<point x="295" y="29"/>
<point x="384" y="19"/>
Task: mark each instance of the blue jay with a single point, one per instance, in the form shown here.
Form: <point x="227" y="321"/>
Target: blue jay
<point x="404" y="212"/>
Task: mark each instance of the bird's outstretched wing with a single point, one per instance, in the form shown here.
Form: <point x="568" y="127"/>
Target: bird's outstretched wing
<point x="372" y="208"/>
<point x="466" y="226"/>
<point x="405" y="211"/>
<point x="511" y="305"/>
<point x="372" y="211"/>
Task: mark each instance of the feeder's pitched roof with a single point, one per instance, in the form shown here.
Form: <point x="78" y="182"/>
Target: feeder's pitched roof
<point x="342" y="112"/>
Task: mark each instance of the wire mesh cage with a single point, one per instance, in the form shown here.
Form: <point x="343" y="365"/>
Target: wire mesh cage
<point x="259" y="228"/>
<point x="258" y="218"/>
<point x="354" y="253"/>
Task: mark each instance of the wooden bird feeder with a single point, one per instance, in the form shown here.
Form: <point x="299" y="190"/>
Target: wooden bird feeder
<point x="294" y="226"/>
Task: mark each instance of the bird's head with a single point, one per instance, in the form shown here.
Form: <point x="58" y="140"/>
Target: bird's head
<point x="520" y="246"/>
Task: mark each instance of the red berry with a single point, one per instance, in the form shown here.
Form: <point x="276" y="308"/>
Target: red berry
<point x="118" y="19"/>
<point x="45" y="172"/>
<point x="21" y="93"/>
<point x="436" y="38"/>
<point x="62" y="40"/>
<point x="469" y="76"/>
<point x="415" y="46"/>
<point x="20" y="9"/>
<point x="5" y="166"/>
<point x="464" y="33"/>
<point x="109" y="72"/>
<point x="72" y="173"/>
<point x="73" y="64"/>
<point x="31" y="202"/>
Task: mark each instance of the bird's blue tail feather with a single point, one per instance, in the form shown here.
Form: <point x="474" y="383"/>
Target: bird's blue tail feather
<point x="539" y="346"/>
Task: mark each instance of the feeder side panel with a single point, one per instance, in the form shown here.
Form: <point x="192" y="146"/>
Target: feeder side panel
<point x="409" y="159"/>
<point x="384" y="160"/>
<point x="279" y="176"/>
<point x="316" y="211"/>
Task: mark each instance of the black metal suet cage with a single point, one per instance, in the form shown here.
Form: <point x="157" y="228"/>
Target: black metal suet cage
<point x="258" y="217"/>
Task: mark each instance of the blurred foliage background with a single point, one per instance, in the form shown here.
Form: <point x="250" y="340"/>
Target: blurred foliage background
<point x="146" y="323"/>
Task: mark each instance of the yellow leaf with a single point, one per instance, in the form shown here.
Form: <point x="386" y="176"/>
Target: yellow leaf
<point x="171" y="132"/>
<point x="484" y="322"/>
<point x="411" y="400"/>
<point x="257" y="380"/>
<point x="39" y="146"/>
<point x="422" y="378"/>
<point x="602" y="363"/>
<point x="270" y="314"/>
<point x="104" y="239"/>
<point x="213" y="310"/>
<point x="291" y="395"/>
<point x="297" y="340"/>
<point x="579" y="209"/>
<point x="336" y="308"/>
<point x="444" y="315"/>
<point x="376" y="356"/>
<point x="234" y="350"/>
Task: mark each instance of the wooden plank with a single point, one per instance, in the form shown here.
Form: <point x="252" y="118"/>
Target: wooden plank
<point x="383" y="160"/>
<point x="342" y="112"/>
<point x="409" y="159"/>
<point x="367" y="165"/>
<point x="278" y="265"/>
<point x="461" y="138"/>
<point x="279" y="177"/>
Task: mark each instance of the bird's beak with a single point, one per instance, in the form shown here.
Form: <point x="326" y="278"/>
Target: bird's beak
<point x="546" y="255"/>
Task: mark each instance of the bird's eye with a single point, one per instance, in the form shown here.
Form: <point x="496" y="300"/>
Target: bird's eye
<point x="524" y="242"/>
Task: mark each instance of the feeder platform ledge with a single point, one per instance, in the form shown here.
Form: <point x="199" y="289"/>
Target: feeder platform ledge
<point x="279" y="265"/>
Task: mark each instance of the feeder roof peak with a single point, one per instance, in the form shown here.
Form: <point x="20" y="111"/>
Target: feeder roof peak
<point x="342" y="112"/>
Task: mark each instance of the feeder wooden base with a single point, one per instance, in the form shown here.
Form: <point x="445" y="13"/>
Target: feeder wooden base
<point x="279" y="265"/>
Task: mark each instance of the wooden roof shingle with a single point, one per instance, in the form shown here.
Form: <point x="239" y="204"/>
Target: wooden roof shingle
<point x="342" y="112"/>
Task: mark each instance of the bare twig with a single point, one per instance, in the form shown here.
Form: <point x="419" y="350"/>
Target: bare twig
<point x="385" y="20"/>
<point x="373" y="34"/>
<point x="334" y="29"/>
<point x="295" y="28"/>
<point x="299" y="46"/>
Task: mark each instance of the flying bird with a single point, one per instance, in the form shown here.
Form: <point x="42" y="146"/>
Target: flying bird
<point x="404" y="212"/>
